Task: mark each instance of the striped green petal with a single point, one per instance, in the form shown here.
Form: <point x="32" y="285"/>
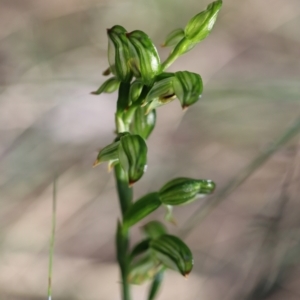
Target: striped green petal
<point x="184" y="190"/>
<point x="132" y="152"/>
<point x="173" y="253"/>
<point x="145" y="61"/>
<point x="118" y="53"/>
<point x="188" y="87"/>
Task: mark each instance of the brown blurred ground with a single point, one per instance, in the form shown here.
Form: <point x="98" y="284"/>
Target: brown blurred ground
<point x="52" y="54"/>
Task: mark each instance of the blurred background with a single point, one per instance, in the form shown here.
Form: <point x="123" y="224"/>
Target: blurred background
<point x="243" y="134"/>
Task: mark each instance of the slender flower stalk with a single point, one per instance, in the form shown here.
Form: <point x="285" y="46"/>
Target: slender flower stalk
<point x="143" y="86"/>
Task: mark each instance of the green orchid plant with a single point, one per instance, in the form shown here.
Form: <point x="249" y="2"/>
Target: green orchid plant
<point x="143" y="85"/>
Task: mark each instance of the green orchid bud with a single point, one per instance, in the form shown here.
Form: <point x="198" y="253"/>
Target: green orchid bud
<point x="160" y="94"/>
<point x="141" y="208"/>
<point x="135" y="90"/>
<point x="118" y="53"/>
<point x="197" y="29"/>
<point x="145" y="61"/>
<point x="109" y="153"/>
<point x="109" y="86"/>
<point x="173" y="253"/>
<point x="132" y="153"/>
<point x="174" y="37"/>
<point x="188" y="87"/>
<point x="184" y="190"/>
<point x="144" y="269"/>
<point x="200" y="26"/>
<point x="143" y="124"/>
<point x="161" y="89"/>
<point x="154" y="229"/>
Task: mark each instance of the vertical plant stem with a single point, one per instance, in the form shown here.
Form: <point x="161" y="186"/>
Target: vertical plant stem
<point x="52" y="239"/>
<point x="124" y="191"/>
<point x="125" y="199"/>
<point x="122" y="236"/>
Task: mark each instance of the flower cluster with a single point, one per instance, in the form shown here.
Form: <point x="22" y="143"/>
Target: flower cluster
<point x="143" y="86"/>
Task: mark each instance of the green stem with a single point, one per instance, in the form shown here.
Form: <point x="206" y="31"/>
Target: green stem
<point x="125" y="197"/>
<point x="122" y="236"/>
<point x="124" y="191"/>
<point x="122" y="243"/>
<point x="168" y="62"/>
<point x="181" y="48"/>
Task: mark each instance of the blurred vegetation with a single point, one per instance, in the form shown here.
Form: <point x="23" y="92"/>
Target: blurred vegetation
<point x="52" y="55"/>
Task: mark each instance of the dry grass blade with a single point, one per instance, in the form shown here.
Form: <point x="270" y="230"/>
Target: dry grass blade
<point x="52" y="239"/>
<point x="201" y="213"/>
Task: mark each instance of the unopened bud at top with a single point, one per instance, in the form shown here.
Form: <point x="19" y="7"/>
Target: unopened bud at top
<point x="200" y="26"/>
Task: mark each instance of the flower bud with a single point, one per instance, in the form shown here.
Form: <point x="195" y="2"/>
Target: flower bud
<point x="161" y="93"/>
<point x="109" y="86"/>
<point x="143" y="124"/>
<point x="173" y="37"/>
<point x="184" y="190"/>
<point x="145" y="61"/>
<point x="188" y="87"/>
<point x="197" y="29"/>
<point x="132" y="152"/>
<point x="118" y="53"/>
<point x="173" y="253"/>
<point x="200" y="26"/>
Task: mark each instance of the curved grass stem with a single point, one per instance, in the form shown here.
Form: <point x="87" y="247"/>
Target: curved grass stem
<point x="201" y="213"/>
<point x="52" y="239"/>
